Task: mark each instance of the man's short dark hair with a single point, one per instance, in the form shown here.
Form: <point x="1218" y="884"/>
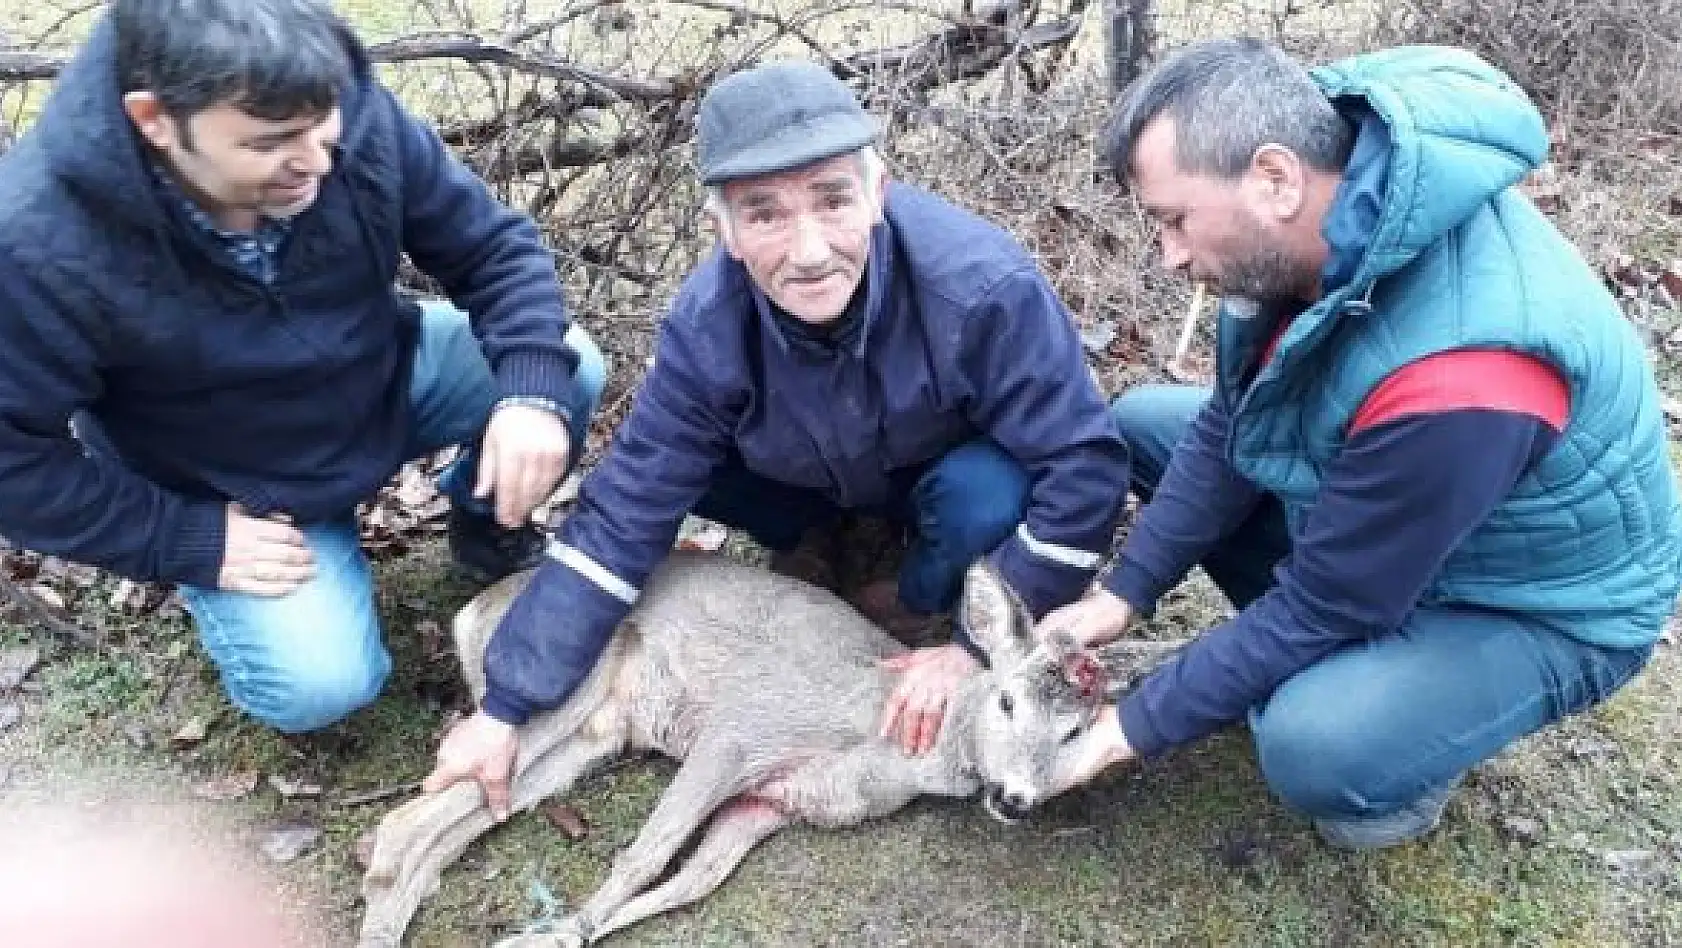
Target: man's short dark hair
<point x="1227" y="98"/>
<point x="272" y="59"/>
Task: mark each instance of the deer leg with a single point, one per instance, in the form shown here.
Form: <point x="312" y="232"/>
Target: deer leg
<point x="711" y="774"/>
<point x="418" y="840"/>
<point x="738" y="827"/>
<point x="415" y="827"/>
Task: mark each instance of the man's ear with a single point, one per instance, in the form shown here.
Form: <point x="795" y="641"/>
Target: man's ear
<point x="150" y="119"/>
<point x="721" y="223"/>
<point x="881" y="197"/>
<point x="1278" y="181"/>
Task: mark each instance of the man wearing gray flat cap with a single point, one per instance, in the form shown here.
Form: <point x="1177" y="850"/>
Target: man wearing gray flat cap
<point x="851" y="347"/>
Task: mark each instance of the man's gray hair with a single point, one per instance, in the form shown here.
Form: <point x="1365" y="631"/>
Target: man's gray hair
<point x="871" y="170"/>
<point x="1227" y="98"/>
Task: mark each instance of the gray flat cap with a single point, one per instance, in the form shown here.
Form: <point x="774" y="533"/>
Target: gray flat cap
<point x="777" y="117"/>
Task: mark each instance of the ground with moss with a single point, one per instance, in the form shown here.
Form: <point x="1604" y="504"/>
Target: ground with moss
<point x="1571" y="837"/>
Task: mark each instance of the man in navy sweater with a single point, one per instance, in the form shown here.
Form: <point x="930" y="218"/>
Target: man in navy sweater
<point x="198" y="244"/>
<point x="852" y="346"/>
<point x="1432" y="473"/>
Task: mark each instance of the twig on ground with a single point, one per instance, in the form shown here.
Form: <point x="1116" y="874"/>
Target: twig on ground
<point x="378" y="794"/>
<point x="44" y="614"/>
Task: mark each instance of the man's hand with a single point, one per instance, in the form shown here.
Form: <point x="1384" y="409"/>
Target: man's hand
<point x="1103" y="746"/>
<point x="1097" y="619"/>
<point x="263" y="557"/>
<point x="480" y="748"/>
<point x="522" y="459"/>
<point x="917" y="705"/>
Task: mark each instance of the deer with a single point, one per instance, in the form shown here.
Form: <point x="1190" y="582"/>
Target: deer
<point x="768" y="691"/>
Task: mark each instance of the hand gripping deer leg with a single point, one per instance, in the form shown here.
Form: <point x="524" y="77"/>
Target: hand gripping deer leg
<point x="410" y="831"/>
<point x="452" y="821"/>
<point x="410" y="850"/>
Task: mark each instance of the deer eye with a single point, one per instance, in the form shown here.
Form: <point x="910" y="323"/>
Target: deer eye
<point x="1074" y="732"/>
<point x="1006" y="704"/>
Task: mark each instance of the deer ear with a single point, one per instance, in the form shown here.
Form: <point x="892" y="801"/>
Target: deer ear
<point x="993" y="618"/>
<point x="1086" y="674"/>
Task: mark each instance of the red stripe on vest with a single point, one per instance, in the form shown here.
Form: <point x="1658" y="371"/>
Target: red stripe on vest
<point x="1468" y="378"/>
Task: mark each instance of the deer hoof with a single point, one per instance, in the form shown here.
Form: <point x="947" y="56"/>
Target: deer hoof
<point x="568" y="934"/>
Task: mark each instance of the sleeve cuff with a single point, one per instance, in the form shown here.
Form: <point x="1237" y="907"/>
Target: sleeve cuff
<point x="1136" y="585"/>
<point x="529" y="373"/>
<point x="1144" y="738"/>
<point x="505" y="707"/>
<point x="548" y="642"/>
<point x="194" y="555"/>
<point x="1041" y="584"/>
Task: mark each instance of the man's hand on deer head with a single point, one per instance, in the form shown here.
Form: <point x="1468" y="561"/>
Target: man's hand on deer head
<point x="928" y="678"/>
<point x="1095" y="620"/>
<point x="480" y="748"/>
<point x="1103" y="746"/>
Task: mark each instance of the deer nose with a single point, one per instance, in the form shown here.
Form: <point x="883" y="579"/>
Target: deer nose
<point x="1006" y="805"/>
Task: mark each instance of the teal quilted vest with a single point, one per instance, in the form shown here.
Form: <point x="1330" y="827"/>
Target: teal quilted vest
<point x="1590" y="540"/>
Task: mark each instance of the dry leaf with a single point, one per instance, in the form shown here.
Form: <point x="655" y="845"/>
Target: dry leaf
<point x="700" y="534"/>
<point x="48" y="595"/>
<point x="431" y="636"/>
<point x="133" y="597"/>
<point x="291" y="788"/>
<point x="1544" y="188"/>
<point x="363" y="850"/>
<point x="227" y="787"/>
<point x="135" y="734"/>
<point x="566" y="819"/>
<point x="1097" y="337"/>
<point x="190" y="733"/>
<point x="1671" y="279"/>
<point x="15" y="666"/>
<point x="1624" y="272"/>
<point x="415" y="488"/>
<point x="287" y="841"/>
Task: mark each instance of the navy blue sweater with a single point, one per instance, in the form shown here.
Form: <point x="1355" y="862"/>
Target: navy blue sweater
<point x="212" y="386"/>
<point x="1431" y="453"/>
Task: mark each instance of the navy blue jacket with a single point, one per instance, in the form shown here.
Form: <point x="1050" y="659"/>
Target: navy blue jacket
<point x="212" y="386"/>
<point x="962" y="338"/>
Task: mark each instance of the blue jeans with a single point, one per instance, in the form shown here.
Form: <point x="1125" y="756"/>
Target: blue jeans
<point x="305" y="660"/>
<point x="1378" y="724"/>
<point x="961" y="506"/>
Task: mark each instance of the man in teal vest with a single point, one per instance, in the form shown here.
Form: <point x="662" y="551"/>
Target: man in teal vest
<point x="1432" y="473"/>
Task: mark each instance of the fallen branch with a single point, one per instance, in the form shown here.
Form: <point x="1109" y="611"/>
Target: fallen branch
<point x="45" y="615"/>
<point x="17" y="65"/>
<point x="378" y="794"/>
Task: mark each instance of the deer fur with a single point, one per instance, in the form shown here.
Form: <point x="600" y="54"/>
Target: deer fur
<point x="770" y="691"/>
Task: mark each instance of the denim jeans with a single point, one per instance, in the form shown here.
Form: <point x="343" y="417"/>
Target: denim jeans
<point x="307" y="659"/>
<point x="1379" y="723"/>
<point x="961" y="506"/>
